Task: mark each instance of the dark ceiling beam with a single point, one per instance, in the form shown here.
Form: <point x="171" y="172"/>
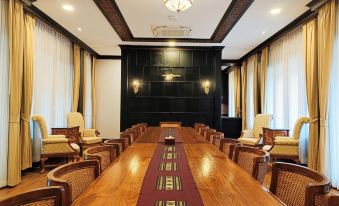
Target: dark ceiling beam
<point x="115" y="57"/>
<point x="233" y="13"/>
<point x="111" y="11"/>
<point x="30" y="8"/>
<point x="231" y="62"/>
<point x="316" y="4"/>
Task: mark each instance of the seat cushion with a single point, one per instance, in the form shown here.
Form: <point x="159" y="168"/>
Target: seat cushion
<point x="91" y="140"/>
<point x="75" y="147"/>
<point x="248" y="141"/>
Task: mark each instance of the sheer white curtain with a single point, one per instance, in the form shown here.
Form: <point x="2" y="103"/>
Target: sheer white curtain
<point x="4" y="91"/>
<point x="250" y="92"/>
<point x="88" y="89"/>
<point x="231" y="94"/>
<point x="53" y="80"/>
<point x="286" y="85"/>
<point x="334" y="111"/>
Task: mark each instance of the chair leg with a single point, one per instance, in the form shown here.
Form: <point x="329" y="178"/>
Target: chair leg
<point x="77" y="158"/>
<point x="42" y="164"/>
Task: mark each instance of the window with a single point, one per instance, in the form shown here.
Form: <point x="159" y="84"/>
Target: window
<point x="251" y="64"/>
<point x="286" y="85"/>
<point x="88" y="90"/>
<point x="231" y="94"/>
<point x="53" y="81"/>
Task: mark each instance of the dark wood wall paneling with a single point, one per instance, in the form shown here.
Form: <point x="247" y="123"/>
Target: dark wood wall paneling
<point x="181" y="99"/>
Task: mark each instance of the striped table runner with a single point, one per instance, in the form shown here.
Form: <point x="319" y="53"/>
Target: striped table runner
<point x="168" y="180"/>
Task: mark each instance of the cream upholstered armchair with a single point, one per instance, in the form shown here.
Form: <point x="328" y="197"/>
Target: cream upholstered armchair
<point x="288" y="147"/>
<point x="253" y="137"/>
<point x="54" y="145"/>
<point x="87" y="136"/>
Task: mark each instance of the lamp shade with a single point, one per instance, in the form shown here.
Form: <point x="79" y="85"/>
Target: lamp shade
<point x="178" y="5"/>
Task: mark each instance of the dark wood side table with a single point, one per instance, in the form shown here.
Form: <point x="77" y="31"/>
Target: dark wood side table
<point x="269" y="134"/>
<point x="71" y="133"/>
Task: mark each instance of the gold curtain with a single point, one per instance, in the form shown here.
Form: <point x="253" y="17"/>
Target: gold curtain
<point x="237" y="91"/>
<point x="85" y="87"/>
<point x="311" y="62"/>
<point x="255" y="85"/>
<point x="94" y="112"/>
<point x="27" y="93"/>
<point x="326" y="32"/>
<point x="16" y="47"/>
<point x="243" y="93"/>
<point x="263" y="76"/>
<point x="76" y="77"/>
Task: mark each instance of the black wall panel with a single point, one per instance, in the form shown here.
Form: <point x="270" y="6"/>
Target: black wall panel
<point x="181" y="99"/>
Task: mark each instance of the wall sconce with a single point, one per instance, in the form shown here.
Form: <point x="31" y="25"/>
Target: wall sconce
<point x="206" y="86"/>
<point x="136" y="86"/>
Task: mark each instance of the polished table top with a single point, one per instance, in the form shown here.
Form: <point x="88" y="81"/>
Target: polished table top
<point x="220" y="181"/>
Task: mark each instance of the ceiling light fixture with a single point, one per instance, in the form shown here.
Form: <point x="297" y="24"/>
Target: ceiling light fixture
<point x="178" y="5"/>
<point x="275" y="11"/>
<point x="171" y="43"/>
<point x="79" y="29"/>
<point x="263" y="32"/>
<point x="68" y="7"/>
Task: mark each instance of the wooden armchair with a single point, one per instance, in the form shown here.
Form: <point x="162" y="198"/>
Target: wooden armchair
<point x="216" y="137"/>
<point x="196" y="125"/>
<point x="253" y="137"/>
<point x="209" y="134"/>
<point x="297" y="185"/>
<point x="199" y="128"/>
<point x="54" y="145"/>
<point x="252" y="160"/>
<point x="143" y="127"/>
<point x="288" y="147"/>
<point x="134" y="134"/>
<point x="227" y="146"/>
<point x="46" y="196"/>
<point x="128" y="136"/>
<point x="204" y="131"/>
<point x="170" y="124"/>
<point x="104" y="154"/>
<point x="74" y="177"/>
<point x="118" y="144"/>
<point x="88" y="137"/>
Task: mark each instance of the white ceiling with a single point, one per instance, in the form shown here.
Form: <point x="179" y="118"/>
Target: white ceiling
<point x="203" y="17"/>
<point x="141" y="14"/>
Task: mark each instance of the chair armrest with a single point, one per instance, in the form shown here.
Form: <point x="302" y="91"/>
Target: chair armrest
<point x="281" y="140"/>
<point x="55" y="140"/>
<point x="225" y="140"/>
<point x="89" y="133"/>
<point x="56" y="136"/>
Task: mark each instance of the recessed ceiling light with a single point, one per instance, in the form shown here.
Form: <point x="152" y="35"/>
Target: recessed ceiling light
<point x="263" y="32"/>
<point x="171" y="43"/>
<point x="68" y="7"/>
<point x="275" y="11"/>
<point x="79" y="29"/>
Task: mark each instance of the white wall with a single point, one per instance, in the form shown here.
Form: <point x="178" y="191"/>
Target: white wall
<point x="108" y="89"/>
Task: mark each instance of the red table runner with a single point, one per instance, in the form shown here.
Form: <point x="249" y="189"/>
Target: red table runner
<point x="168" y="180"/>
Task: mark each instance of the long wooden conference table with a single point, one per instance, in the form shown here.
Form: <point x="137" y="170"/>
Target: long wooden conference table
<point x="219" y="180"/>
